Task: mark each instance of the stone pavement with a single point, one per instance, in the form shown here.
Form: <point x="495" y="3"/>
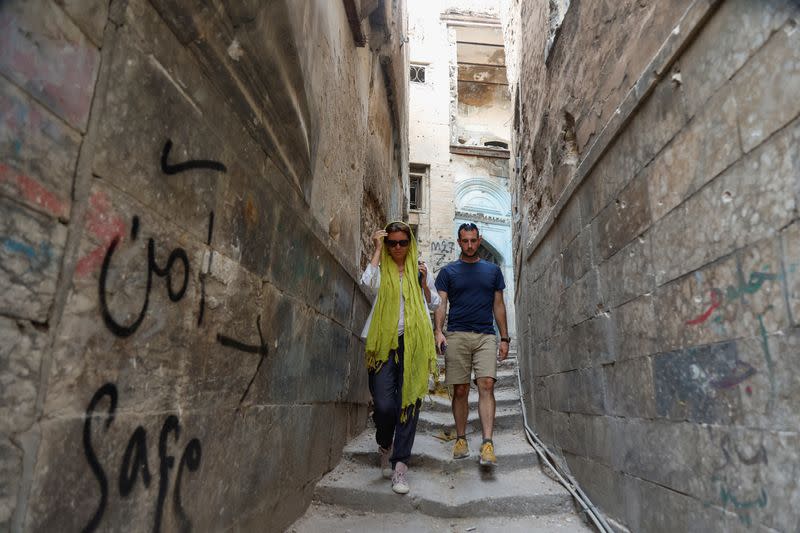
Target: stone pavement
<point x="446" y="495"/>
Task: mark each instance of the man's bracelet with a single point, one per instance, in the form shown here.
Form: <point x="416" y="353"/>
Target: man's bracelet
<point x="505" y="339"/>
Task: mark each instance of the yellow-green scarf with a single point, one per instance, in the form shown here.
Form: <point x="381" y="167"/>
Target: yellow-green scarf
<point x="419" y="346"/>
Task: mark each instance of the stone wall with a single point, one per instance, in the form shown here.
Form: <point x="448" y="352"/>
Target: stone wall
<point x="183" y="191"/>
<point x="656" y="232"/>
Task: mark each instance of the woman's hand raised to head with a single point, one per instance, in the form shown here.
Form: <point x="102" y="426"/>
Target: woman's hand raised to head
<point x="377" y="237"/>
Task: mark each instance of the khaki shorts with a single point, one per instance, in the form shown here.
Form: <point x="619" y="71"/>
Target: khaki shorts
<point x="467" y="352"/>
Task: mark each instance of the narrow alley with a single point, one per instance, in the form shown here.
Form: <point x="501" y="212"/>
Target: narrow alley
<point x="189" y="197"/>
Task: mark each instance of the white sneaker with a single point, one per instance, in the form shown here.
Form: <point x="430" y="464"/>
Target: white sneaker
<point x="399" y="483"/>
<point x="386" y="465"/>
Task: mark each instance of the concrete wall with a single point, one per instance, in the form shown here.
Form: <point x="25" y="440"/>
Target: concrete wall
<point x="656" y="229"/>
<point x="183" y="194"/>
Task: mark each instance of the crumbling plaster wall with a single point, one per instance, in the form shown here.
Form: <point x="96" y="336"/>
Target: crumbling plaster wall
<point x="180" y="238"/>
<point x="656" y="232"/>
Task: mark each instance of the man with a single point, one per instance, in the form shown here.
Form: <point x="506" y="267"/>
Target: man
<point x="474" y="289"/>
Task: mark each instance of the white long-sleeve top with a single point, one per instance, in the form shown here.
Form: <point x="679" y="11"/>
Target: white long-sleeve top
<point x="371" y="278"/>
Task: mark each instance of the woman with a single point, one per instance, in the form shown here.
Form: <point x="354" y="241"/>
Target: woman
<point x="400" y="348"/>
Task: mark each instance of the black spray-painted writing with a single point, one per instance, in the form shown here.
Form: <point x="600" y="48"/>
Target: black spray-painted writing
<point x="262" y="349"/>
<point x="176" y="255"/>
<point x="111" y="391"/>
<point x="177" y="168"/>
<point x="204" y="272"/>
<point x="135" y="462"/>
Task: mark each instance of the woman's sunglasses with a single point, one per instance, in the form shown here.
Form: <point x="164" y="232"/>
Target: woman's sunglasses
<point x="391" y="244"/>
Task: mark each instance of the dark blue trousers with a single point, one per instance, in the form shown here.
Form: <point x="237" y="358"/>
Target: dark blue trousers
<point x="386" y="387"/>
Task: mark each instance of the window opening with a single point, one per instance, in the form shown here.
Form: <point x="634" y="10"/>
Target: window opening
<point x="417" y="74"/>
<point x="415" y="191"/>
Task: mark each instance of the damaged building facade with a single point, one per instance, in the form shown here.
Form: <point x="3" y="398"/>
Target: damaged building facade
<point x="657" y="236"/>
<point x="185" y="192"/>
<point x="460" y="126"/>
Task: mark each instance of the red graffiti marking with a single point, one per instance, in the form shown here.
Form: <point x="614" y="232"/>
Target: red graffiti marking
<point x="33" y="191"/>
<point x="715" y="302"/>
<point x="103" y="225"/>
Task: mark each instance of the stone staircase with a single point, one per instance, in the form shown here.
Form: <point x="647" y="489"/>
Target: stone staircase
<point x="446" y="495"/>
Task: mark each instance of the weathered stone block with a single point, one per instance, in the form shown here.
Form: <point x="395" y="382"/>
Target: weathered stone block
<point x="637" y="329"/>
<point x="590" y="343"/>
<point x="602" y="485"/>
<point x="154" y="144"/>
<point x="538" y="388"/>
<point x="664" y="510"/>
<point x="703" y="149"/>
<point x="569" y="221"/>
<point x="748" y="201"/>
<point x="546" y="297"/>
<point x="553" y="356"/>
<point x="660" y="451"/>
<point x="589" y="195"/>
<point x="628" y="273"/>
<point x="603" y="434"/>
<point x="694" y="384"/>
<point x="735" y="32"/>
<point x="562" y="389"/>
<point x="544" y="425"/>
<point x="657" y="121"/>
<point x="567" y="433"/>
<point x="38" y="154"/>
<point x="623" y="220"/>
<point x="747" y="473"/>
<point x="630" y="388"/>
<point x="790" y="245"/>
<point x="764" y="84"/>
<point x="589" y="392"/>
<point x="42" y="51"/>
<point x="290" y="269"/>
<point x="731" y="298"/>
<point x="247" y="224"/>
<point x="542" y="258"/>
<point x="10" y="473"/>
<point x="20" y="358"/>
<point x="30" y="257"/>
<point x="577" y="257"/>
<point x="767" y="378"/>
<point x="90" y="16"/>
<point x="361" y="308"/>
<point x="581" y="300"/>
<point x="338" y="302"/>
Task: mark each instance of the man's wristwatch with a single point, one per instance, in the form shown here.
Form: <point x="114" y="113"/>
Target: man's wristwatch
<point x="505" y="339"/>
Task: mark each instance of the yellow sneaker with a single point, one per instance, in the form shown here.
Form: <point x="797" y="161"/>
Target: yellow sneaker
<point x="488" y="458"/>
<point x="460" y="448"/>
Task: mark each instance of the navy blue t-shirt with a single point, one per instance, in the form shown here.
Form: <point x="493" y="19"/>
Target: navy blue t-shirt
<point x="470" y="289"/>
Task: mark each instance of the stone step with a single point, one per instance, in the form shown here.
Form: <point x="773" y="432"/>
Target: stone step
<point x="502" y="397"/>
<point x="506" y="378"/>
<point x="508" y="417"/>
<point x="436" y="455"/>
<point x="321" y="518"/>
<point x="475" y="492"/>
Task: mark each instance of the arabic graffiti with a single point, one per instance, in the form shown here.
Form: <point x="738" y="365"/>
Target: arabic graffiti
<point x="752" y="285"/>
<point x="742" y="506"/>
<point x="176" y="255"/>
